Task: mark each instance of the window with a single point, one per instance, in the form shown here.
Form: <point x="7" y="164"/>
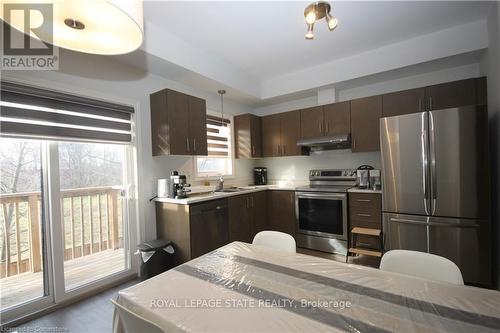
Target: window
<point x="220" y="155"/>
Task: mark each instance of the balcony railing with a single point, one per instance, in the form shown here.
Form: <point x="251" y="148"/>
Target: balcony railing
<point x="91" y="223"/>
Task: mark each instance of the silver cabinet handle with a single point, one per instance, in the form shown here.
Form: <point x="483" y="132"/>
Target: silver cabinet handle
<point x="364" y="215"/>
<point x="253" y="151"/>
<point x="251" y="202"/>
<point x="430" y="102"/>
<point x="353" y="142"/>
<point x="363" y="200"/>
<point x="187" y="144"/>
<point x="218" y="208"/>
<point x="327" y="125"/>
<point x="194" y="145"/>
<point x="247" y="202"/>
<point x="284" y="150"/>
<point x="320" y="127"/>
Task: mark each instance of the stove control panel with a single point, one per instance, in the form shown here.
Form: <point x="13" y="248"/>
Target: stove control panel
<point x="332" y="174"/>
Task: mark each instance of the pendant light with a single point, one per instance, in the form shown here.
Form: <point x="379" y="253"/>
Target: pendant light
<point x="90" y="26"/>
<point x="315" y="12"/>
<point x="223" y="129"/>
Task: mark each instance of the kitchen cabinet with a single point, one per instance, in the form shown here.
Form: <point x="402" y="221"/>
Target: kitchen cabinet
<point x="403" y="102"/>
<point x="247" y="216"/>
<point x="280" y="133"/>
<point x="451" y="94"/>
<point x="281" y="211"/>
<point x="271" y="135"/>
<point x="365" y="211"/>
<point x="194" y="229"/>
<point x="337" y="118"/>
<point x="365" y="128"/>
<point x="312" y="122"/>
<point x="247" y="136"/>
<point x="178" y="124"/>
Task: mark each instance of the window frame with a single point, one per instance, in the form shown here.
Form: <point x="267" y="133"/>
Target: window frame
<point x="197" y="175"/>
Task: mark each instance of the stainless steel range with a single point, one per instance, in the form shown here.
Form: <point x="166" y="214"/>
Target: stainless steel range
<point x="321" y="210"/>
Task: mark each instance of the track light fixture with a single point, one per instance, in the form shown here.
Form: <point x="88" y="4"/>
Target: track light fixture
<point x="315" y="12"/>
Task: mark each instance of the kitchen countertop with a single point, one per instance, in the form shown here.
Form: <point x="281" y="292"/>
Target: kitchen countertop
<point x="360" y="190"/>
<point x="201" y="197"/>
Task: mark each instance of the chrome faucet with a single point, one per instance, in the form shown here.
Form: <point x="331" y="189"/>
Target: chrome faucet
<point x="220" y="184"/>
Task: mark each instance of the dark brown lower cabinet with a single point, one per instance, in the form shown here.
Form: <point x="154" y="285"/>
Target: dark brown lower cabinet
<point x="247" y="216"/>
<point x="281" y="211"/>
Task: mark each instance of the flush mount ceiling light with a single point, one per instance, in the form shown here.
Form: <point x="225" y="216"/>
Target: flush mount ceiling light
<point x="89" y="26"/>
<point x="315" y="12"/>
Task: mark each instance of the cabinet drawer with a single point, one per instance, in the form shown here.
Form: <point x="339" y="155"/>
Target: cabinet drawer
<point x="365" y="214"/>
<point x="371" y="224"/>
<point x="369" y="242"/>
<point x="368" y="200"/>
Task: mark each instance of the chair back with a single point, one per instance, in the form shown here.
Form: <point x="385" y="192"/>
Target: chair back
<point x="133" y="323"/>
<point x="276" y="240"/>
<point x="423" y="265"/>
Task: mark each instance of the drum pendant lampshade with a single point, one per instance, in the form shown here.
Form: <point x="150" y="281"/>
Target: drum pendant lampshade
<point x="89" y="26"/>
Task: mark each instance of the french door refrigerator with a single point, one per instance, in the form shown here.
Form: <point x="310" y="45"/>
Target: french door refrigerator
<point x="436" y="187"/>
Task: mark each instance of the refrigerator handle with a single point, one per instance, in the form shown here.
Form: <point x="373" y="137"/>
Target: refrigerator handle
<point x="433" y="162"/>
<point x="399" y="220"/>
<point x="425" y="159"/>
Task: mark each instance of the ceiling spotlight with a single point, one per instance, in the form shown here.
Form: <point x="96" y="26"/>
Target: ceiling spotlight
<point x="310" y="33"/>
<point x="315" y="12"/>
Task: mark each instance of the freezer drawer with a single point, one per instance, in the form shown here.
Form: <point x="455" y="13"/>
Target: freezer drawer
<point x="466" y="242"/>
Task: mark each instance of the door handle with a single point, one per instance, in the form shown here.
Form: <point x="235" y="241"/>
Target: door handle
<point x="354" y="143"/>
<point x="251" y="202"/>
<point x="433" y="163"/>
<point x="364" y="215"/>
<point x="425" y="163"/>
<point x="327" y="125"/>
<point x="320" y="127"/>
<point x="363" y="200"/>
<point x="393" y="219"/>
<point x="430" y="103"/>
<point x="187" y="144"/>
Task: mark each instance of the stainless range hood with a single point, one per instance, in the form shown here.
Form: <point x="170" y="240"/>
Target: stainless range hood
<point x="342" y="141"/>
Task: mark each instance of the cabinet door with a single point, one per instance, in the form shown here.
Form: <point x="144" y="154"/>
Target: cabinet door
<point x="198" y="126"/>
<point x="240" y="218"/>
<point x="271" y="135"/>
<point x="209" y="227"/>
<point x="403" y="102"/>
<point x="255" y="136"/>
<point x="160" y="134"/>
<point x="290" y="133"/>
<point x="259" y="210"/>
<point x="178" y="123"/>
<point x="281" y="211"/>
<point x="312" y="122"/>
<point x="451" y="94"/>
<point x="365" y="131"/>
<point x="337" y="118"/>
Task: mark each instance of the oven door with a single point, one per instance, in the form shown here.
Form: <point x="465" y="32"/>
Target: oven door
<point x="322" y="214"/>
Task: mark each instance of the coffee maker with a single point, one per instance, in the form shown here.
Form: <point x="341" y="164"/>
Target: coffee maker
<point x="178" y="186"/>
<point x="260" y="176"/>
<point x="363" y="175"/>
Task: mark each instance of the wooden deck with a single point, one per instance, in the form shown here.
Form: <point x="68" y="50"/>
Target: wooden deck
<point x="26" y="286"/>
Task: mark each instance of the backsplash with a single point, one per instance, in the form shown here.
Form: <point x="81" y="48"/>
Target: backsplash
<point x="296" y="168"/>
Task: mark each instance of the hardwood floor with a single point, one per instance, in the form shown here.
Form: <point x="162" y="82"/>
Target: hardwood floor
<point x="94" y="314"/>
<point x="27" y="286"/>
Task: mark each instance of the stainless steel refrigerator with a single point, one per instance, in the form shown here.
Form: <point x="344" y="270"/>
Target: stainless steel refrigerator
<point x="436" y="187"/>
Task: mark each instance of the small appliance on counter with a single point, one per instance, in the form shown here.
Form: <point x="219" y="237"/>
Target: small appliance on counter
<point x="260" y="176"/>
<point x="363" y="176"/>
<point x="179" y="185"/>
<point x="375" y="182"/>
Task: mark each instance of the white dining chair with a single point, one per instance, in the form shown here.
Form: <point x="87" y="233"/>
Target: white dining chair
<point x="133" y="323"/>
<point x="423" y="265"/>
<point x="276" y="240"/>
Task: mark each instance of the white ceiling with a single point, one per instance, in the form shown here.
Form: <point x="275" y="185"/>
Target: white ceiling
<point x="266" y="39"/>
<point x="261" y="41"/>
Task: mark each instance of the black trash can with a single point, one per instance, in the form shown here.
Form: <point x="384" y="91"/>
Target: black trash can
<point x="155" y="257"/>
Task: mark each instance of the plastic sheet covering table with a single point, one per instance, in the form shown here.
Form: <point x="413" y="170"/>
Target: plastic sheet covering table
<point x="246" y="288"/>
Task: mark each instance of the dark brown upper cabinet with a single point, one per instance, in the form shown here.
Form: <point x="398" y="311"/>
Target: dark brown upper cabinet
<point x="280" y="133"/>
<point x="337" y="118"/>
<point x="247" y="136"/>
<point x="365" y="129"/>
<point x="178" y="124"/>
<point x="312" y="122"/>
<point x="403" y="102"/>
<point x="451" y="94"/>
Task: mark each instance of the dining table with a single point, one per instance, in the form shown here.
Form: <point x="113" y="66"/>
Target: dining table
<point x="248" y="288"/>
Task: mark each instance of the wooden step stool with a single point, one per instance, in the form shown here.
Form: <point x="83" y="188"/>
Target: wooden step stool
<point x="359" y="250"/>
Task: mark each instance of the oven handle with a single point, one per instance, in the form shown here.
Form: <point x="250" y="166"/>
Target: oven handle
<point x="320" y="196"/>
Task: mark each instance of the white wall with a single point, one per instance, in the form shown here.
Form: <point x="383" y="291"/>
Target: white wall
<point x="490" y="66"/>
<point x="105" y="78"/>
